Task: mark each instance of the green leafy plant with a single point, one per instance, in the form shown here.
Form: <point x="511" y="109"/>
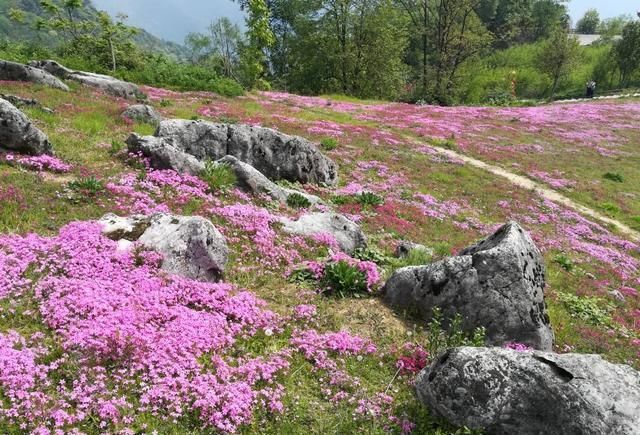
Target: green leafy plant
<point x="116" y="147"/>
<point x="296" y="200"/>
<point x="369" y="199"/>
<point x="329" y="143"/>
<point x="564" y="261"/>
<point x="415" y="257"/>
<point x="87" y="186"/>
<point x="589" y="309"/>
<point x="301" y="275"/>
<point x="449" y="143"/>
<point x="219" y="176"/>
<point x="447" y="333"/>
<point x="370" y="254"/>
<point x="613" y="176"/>
<point x="343" y="279"/>
<point x="610" y="207"/>
<point x="342" y="199"/>
<point x="166" y="103"/>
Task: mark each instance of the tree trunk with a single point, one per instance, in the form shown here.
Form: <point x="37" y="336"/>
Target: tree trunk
<point x="113" y="55"/>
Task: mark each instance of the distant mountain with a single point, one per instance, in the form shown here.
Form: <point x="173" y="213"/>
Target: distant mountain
<point x="14" y="31"/>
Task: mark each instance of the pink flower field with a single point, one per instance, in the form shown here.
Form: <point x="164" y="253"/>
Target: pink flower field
<point x="94" y="339"/>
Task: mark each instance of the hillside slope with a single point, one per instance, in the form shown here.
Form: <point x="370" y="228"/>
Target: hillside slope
<point x="103" y="340"/>
<point x="13" y="31"/>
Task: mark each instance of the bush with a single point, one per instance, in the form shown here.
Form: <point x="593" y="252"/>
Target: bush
<point x="369" y="199"/>
<point x="344" y="279"/>
<point x="85" y="188"/>
<point x="588" y="309"/>
<point x="370" y="254"/>
<point x="564" y="261"/>
<point x="219" y="176"/>
<point x="610" y="208"/>
<point x="329" y="143"/>
<point x="296" y="200"/>
<point x="613" y="176"/>
<point x="441" y="338"/>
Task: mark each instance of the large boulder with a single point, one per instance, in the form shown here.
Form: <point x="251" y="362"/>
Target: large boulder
<point x="163" y="155"/>
<point x="253" y="181"/>
<point x="143" y="113"/>
<point x="276" y="155"/>
<point x="25" y="73"/>
<point x="192" y="247"/>
<point x="17" y="132"/>
<point x="346" y="232"/>
<point x="108" y="84"/>
<point x="497" y="284"/>
<point x="500" y="391"/>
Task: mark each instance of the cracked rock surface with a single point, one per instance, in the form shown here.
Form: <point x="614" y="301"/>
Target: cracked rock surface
<point x="502" y="391"/>
<point x="276" y="155"/>
<point x="497" y="284"/>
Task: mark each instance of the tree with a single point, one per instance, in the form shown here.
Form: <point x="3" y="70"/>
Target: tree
<point x="260" y="38"/>
<point x="628" y="52"/>
<point x="226" y="40"/>
<point x="95" y="36"/>
<point x="611" y="27"/>
<point x="420" y="14"/>
<point x="589" y="22"/>
<point x="558" y="55"/>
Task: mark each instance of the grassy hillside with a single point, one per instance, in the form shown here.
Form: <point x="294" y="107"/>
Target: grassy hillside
<point x="90" y="330"/>
<point x="13" y="31"/>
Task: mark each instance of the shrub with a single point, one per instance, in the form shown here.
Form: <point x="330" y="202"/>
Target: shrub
<point x="344" y="279"/>
<point x="86" y="187"/>
<point x="370" y="254"/>
<point x="441" y="338"/>
<point x="369" y="199"/>
<point x="588" y="309"/>
<point x="342" y="199"/>
<point x="297" y="200"/>
<point x="610" y="207"/>
<point x="613" y="176"/>
<point x="219" y="176"/>
<point x="116" y="147"/>
<point x="329" y="143"/>
<point x="449" y="143"/>
<point x="564" y="261"/>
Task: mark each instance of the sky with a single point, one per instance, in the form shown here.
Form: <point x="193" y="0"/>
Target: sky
<point x="174" y="19"/>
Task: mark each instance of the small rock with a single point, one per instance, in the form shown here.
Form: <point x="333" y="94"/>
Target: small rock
<point x="502" y="391"/>
<point x="497" y="284"/>
<point x="143" y="113"/>
<point x="19" y="134"/>
<point x="347" y="233"/>
<point x="192" y="247"/>
<point x="25" y="73"/>
<point x="405" y="247"/>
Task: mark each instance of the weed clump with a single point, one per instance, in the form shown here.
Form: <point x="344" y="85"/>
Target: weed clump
<point x="329" y="144"/>
<point x="219" y="176"/>
<point x="613" y="176"/>
<point x="297" y="200"/>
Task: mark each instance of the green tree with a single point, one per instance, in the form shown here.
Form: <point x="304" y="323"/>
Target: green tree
<point x="611" y="27"/>
<point x="589" y="22"/>
<point x="558" y="55"/>
<point x="260" y="39"/>
<point x="226" y="40"/>
<point x="628" y="52"/>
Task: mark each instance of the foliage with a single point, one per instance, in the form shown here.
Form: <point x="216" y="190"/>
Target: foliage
<point x="587" y="308"/>
<point x="628" y="52"/>
<point x="296" y="200"/>
<point x="344" y="279"/>
<point x="564" y="261"/>
<point x="589" y="23"/>
<point x="329" y="143"/>
<point x="218" y="176"/>
<point x="614" y="176"/>
<point x="87" y="186"/>
<point x="557" y="56"/>
<point x="370" y="254"/>
<point x="445" y="334"/>
<point x="369" y="199"/>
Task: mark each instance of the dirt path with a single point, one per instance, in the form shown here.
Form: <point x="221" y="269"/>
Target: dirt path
<point x="543" y="191"/>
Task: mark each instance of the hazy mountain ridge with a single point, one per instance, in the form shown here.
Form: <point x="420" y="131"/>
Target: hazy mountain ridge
<point x="11" y="30"/>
